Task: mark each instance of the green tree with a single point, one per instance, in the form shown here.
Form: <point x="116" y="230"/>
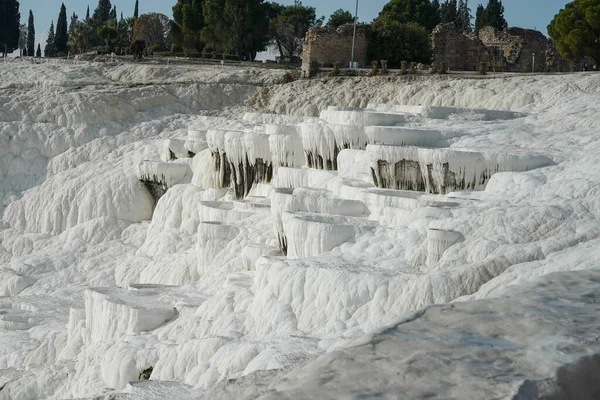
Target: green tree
<point x="575" y="30"/>
<point x="102" y="13"/>
<point x="108" y="33"/>
<point x="188" y="21"/>
<point x="80" y="36"/>
<point x="62" y="37"/>
<point x="87" y="14"/>
<point x="463" y="21"/>
<point x="288" y="29"/>
<point x="38" y="53"/>
<point x="136" y="9"/>
<point x="50" y="49"/>
<point x="339" y="18"/>
<point x="30" y="36"/>
<point x="238" y="27"/>
<point x="492" y="15"/>
<point x="9" y="26"/>
<point x="153" y="29"/>
<point x="395" y="42"/>
<point x="449" y="12"/>
<point x="74" y="19"/>
<point x="480" y="19"/>
<point x="112" y="18"/>
<point x="422" y="12"/>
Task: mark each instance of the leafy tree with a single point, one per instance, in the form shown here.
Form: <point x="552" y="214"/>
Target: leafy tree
<point x="339" y="18"/>
<point x="124" y="33"/>
<point x="9" y="26"/>
<point x="492" y="15"/>
<point x="422" y="12"/>
<point x="102" y="13"/>
<point x="136" y="9"/>
<point x="108" y="33"/>
<point x="80" y="36"/>
<point x="153" y="29"/>
<point x="50" y="49"/>
<point x="22" y="40"/>
<point x="238" y="27"/>
<point x="30" y="36"/>
<point x="397" y="41"/>
<point x="288" y="29"/>
<point x="38" y="53"/>
<point x="575" y="30"/>
<point x="62" y="37"/>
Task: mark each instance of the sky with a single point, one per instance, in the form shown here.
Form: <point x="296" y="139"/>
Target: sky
<point x="533" y="14"/>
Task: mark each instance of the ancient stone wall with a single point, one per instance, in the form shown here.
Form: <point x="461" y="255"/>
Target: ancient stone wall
<point x="460" y="51"/>
<point x="511" y="50"/>
<point x="323" y="46"/>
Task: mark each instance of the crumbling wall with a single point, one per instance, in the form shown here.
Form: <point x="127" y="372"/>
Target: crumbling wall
<point x="324" y="46"/>
<point x="461" y="51"/>
<point x="510" y="50"/>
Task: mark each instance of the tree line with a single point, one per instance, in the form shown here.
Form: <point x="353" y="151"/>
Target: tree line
<point x="403" y="28"/>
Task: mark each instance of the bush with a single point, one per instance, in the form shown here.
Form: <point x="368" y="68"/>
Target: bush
<point x="384" y="70"/>
<point x="482" y="68"/>
<point x="403" y="66"/>
<point x="413" y="67"/>
<point x="374" y="69"/>
<point x="137" y="49"/>
<point x="439" y="67"/>
<point x="336" y="69"/>
<point x="313" y="69"/>
<point x="548" y="68"/>
<point x="288" y="77"/>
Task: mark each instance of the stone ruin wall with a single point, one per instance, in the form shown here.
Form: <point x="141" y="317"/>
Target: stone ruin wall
<point x="325" y="46"/>
<point x="510" y="50"/>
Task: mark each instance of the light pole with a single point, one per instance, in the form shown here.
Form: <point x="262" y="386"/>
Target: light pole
<point x="533" y="63"/>
<point x="352" y="65"/>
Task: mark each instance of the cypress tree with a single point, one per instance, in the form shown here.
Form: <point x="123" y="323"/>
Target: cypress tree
<point x="136" y="9"/>
<point x="62" y="37"/>
<point x="87" y="14"/>
<point x="10" y="26"/>
<point x="74" y="19"/>
<point x="38" y="53"/>
<point x="113" y="14"/>
<point x="50" y="49"/>
<point x="30" y="36"/>
<point x="463" y="21"/>
<point x="480" y="18"/>
<point x="102" y="12"/>
<point x="449" y="12"/>
<point x="494" y="13"/>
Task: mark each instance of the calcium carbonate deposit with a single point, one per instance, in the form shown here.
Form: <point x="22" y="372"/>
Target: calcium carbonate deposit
<point x="192" y="232"/>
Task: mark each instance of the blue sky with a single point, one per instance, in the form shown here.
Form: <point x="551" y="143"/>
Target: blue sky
<point x="524" y="13"/>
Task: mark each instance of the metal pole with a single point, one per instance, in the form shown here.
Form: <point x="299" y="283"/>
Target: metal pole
<point x="354" y="34"/>
<point x="533" y="63"/>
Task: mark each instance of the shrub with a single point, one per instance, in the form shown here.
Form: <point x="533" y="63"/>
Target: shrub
<point x="384" y="64"/>
<point x="482" y="68"/>
<point x="548" y="68"/>
<point x="403" y="66"/>
<point x="413" y="67"/>
<point x="336" y="69"/>
<point x="374" y="68"/>
<point x="137" y="49"/>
